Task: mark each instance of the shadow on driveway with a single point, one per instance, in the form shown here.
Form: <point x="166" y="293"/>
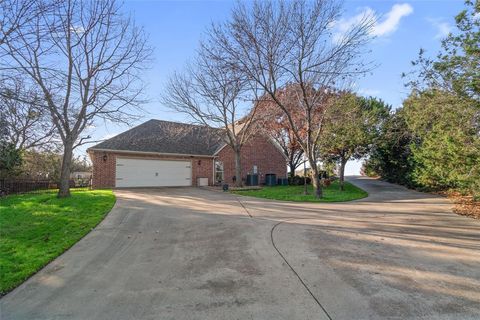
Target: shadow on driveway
<point x="195" y="254"/>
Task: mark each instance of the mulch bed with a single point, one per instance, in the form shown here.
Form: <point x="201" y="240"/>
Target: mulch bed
<point x="465" y="205"/>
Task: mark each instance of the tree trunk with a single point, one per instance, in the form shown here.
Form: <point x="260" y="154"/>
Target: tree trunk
<point x="238" y="169"/>
<point x="343" y="162"/>
<point x="317" y="186"/>
<point x="292" y="169"/>
<point x="64" y="188"/>
<point x="305" y="187"/>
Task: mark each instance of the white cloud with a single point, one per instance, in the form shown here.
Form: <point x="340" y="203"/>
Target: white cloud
<point x="384" y="24"/>
<point x="77" y="29"/>
<point x="392" y="19"/>
<point x="368" y="92"/>
<point x="343" y="25"/>
<point x="443" y="28"/>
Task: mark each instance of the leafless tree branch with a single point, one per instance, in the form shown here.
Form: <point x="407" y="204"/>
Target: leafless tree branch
<point x="278" y="44"/>
<point x="213" y="94"/>
<point x="86" y="59"/>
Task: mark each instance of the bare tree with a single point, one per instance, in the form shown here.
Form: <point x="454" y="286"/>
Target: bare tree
<point x="272" y="121"/>
<point x="13" y="15"/>
<point x="17" y="128"/>
<point x="279" y="43"/>
<point x="3" y="127"/>
<point x="26" y="118"/>
<point x="289" y="145"/>
<point x="211" y="94"/>
<point x="86" y="59"/>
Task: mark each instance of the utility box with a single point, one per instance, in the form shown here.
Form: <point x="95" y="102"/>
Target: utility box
<point x="271" y="179"/>
<point x="202" y="182"/>
<point x="252" y="179"/>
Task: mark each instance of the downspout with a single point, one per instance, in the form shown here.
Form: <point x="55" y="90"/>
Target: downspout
<point x="213" y="170"/>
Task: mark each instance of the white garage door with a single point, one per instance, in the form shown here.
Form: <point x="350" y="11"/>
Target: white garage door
<point x="153" y="173"/>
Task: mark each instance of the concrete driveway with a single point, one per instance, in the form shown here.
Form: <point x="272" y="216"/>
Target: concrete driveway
<point x="199" y="254"/>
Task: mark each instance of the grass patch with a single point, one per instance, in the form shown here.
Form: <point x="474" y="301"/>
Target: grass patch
<point x="295" y="193"/>
<point x="36" y="228"/>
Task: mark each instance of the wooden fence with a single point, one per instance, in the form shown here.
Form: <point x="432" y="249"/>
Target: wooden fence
<point x="14" y="186"/>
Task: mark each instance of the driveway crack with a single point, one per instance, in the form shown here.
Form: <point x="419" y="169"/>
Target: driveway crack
<point x="243" y="206"/>
<point x="293" y="269"/>
<point x="272" y="230"/>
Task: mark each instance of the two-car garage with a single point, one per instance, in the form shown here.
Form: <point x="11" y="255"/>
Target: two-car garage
<point x="160" y="153"/>
<point x="131" y="172"/>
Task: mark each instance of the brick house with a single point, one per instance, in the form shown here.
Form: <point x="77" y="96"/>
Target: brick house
<point x="162" y="153"/>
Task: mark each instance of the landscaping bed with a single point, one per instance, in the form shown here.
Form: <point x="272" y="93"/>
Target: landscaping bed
<point x="465" y="205"/>
<point x="35" y="228"/>
<point x="245" y="188"/>
<point x="296" y="193"/>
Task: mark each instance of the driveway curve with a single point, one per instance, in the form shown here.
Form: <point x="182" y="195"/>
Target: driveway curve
<point x="192" y="253"/>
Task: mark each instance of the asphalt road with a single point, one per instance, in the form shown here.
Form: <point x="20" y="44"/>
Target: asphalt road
<point x="193" y="253"/>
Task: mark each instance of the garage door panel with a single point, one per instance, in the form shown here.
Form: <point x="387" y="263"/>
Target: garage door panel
<point x="152" y="173"/>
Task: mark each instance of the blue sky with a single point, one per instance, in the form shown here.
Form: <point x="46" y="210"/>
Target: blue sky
<point x="175" y="28"/>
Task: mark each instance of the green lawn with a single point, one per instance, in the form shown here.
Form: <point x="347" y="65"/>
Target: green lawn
<point x="295" y="193"/>
<point x="36" y="228"/>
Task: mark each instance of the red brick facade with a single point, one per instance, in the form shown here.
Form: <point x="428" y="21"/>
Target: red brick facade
<point x="103" y="172"/>
<point x="259" y="151"/>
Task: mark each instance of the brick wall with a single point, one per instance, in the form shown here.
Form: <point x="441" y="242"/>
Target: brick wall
<point x="259" y="151"/>
<point x="103" y="175"/>
<point x="202" y="168"/>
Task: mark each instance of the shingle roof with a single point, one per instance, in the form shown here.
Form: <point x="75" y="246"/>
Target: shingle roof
<point x="166" y="137"/>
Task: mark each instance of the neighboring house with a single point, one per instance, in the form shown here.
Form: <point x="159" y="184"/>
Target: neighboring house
<point x="80" y="178"/>
<point x="80" y="175"/>
<point x="301" y="172"/>
<point x="162" y="153"/>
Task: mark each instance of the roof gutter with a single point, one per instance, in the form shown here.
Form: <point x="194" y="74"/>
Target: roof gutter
<point x="151" y="153"/>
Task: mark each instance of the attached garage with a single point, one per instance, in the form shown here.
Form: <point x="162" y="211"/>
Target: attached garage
<point x="170" y="154"/>
<point x="131" y="172"/>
